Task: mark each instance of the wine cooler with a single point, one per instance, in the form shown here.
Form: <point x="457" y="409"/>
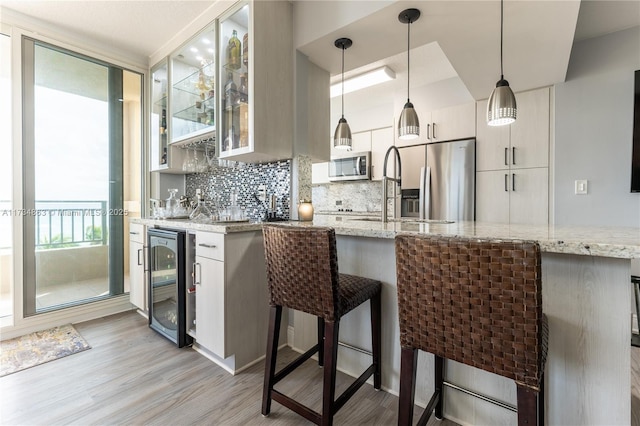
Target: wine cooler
<point x="170" y="260"/>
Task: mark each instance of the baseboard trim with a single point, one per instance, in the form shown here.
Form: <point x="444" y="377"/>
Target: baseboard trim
<point x="73" y="315"/>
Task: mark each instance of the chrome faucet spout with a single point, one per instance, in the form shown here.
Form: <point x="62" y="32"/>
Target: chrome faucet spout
<point x="386" y="159"/>
<point x="385" y="180"/>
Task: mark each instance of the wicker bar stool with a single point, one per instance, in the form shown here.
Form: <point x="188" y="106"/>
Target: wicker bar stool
<point x="477" y="302"/>
<point x="302" y="274"/>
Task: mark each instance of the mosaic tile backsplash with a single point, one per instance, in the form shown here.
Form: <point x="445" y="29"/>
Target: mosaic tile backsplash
<point x="218" y="184"/>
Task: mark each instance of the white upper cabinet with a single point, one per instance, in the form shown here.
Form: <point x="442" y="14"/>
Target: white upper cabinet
<point x="193" y="76"/>
<point x="256" y="82"/>
<point x="456" y="122"/>
<point x="523" y="144"/>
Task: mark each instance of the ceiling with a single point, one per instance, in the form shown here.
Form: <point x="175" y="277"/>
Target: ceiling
<point x="450" y="38"/>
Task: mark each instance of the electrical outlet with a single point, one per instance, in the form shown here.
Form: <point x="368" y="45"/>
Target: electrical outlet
<point x="262" y="193"/>
<point x="338" y="202"/>
<point x="581" y="187"/>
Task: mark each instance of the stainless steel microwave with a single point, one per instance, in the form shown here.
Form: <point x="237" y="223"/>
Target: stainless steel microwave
<point x="350" y="166"/>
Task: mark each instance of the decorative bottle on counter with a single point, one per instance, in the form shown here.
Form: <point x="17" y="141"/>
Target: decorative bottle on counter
<point x="233" y="52"/>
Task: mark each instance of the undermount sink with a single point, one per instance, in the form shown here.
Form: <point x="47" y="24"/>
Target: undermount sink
<point x="405" y="220"/>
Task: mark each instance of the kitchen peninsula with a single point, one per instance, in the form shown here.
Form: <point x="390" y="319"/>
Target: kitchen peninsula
<point x="586" y="296"/>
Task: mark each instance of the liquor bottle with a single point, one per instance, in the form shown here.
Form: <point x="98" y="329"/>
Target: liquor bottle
<point x="243" y="112"/>
<point x="230" y="91"/>
<point x="245" y="50"/>
<point x="163" y="122"/>
<point x="163" y="160"/>
<point x="243" y="91"/>
<point x="233" y="52"/>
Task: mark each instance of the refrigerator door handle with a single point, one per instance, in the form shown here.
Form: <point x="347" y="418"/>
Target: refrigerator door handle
<point x="425" y="196"/>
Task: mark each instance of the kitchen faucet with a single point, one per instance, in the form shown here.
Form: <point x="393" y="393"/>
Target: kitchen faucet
<point x="385" y="183"/>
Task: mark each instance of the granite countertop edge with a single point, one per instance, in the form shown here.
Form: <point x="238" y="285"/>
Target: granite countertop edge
<point x="611" y="242"/>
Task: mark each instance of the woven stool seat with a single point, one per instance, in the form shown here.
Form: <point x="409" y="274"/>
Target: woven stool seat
<point x="477" y="302"/>
<point x="302" y="274"/>
<point x="353" y="291"/>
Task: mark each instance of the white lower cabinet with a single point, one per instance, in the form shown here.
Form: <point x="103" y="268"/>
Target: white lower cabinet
<point x="515" y="196"/>
<point x="232" y="309"/>
<point x="209" y="281"/>
<point x="137" y="266"/>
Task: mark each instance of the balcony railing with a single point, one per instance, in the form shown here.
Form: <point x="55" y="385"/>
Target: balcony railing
<point x="60" y="224"/>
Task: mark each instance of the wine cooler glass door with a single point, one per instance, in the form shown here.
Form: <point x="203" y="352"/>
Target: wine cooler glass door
<point x="164" y="285"/>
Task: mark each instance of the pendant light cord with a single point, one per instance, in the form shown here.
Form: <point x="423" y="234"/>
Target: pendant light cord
<point x="343" y="80"/>
<point x="501" y="30"/>
<point x="408" y="56"/>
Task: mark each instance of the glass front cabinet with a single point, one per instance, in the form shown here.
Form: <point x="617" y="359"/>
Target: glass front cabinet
<point x="256" y="77"/>
<point x="193" y="88"/>
<point x="163" y="156"/>
<point x="239" y="94"/>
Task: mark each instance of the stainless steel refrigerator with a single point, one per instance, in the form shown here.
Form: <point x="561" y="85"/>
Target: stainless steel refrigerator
<point x="448" y="181"/>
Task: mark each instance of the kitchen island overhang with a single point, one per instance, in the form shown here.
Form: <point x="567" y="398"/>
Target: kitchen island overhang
<point x="586" y="296"/>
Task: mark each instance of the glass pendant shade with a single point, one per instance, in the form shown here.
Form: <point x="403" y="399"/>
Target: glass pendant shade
<point x="408" y="124"/>
<point x="501" y="108"/>
<point x="342" y="135"/>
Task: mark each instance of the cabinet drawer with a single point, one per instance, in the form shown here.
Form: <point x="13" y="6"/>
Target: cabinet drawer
<point x="136" y="233"/>
<point x="210" y="245"/>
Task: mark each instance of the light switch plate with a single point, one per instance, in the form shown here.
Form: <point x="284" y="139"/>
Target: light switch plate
<point x="581" y="187"/>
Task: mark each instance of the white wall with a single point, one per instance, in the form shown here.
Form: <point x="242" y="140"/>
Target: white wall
<point x="593" y="132"/>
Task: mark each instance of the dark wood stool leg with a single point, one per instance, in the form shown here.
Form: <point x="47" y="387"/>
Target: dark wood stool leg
<point x="527" y="406"/>
<point x="320" y="341"/>
<point x="408" y="363"/>
<point x="329" y="383"/>
<point x="275" y="315"/>
<point x="376" y="336"/>
<point x="439" y="379"/>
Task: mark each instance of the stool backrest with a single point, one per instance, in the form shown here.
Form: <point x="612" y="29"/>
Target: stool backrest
<point x="302" y="268"/>
<point x="475" y="301"/>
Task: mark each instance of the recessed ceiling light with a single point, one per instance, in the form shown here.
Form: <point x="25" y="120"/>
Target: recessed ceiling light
<point x="367" y="79"/>
<point x="206" y="41"/>
<point x="194" y="49"/>
<point x="199" y="58"/>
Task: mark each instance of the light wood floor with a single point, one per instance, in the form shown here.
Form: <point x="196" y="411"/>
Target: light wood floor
<point x="133" y="376"/>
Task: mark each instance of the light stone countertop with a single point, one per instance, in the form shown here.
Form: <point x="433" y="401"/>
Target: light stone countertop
<point x="613" y="242"/>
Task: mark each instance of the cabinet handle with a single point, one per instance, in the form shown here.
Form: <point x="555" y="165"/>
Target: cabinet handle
<point x="434" y="131"/>
<point x="133" y="233"/>
<point x="196" y="276"/>
<point x="506" y="182"/>
<point x="506" y="154"/>
<point x="513" y="155"/>
<point x="429" y="131"/>
<point x="207" y="245"/>
<point x="513" y="182"/>
<point x="145" y="267"/>
<point x="139" y="264"/>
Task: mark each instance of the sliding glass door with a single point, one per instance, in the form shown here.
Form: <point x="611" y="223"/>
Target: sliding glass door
<point x="78" y="143"/>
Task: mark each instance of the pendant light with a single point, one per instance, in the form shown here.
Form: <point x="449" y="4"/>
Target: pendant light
<point x="342" y="135"/>
<point x="408" y="124"/>
<point x="501" y="108"/>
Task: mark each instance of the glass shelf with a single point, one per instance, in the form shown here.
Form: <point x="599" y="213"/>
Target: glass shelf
<point x="192" y="98"/>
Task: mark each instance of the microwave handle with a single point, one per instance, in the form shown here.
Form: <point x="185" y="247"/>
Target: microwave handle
<point x="425" y="196"/>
